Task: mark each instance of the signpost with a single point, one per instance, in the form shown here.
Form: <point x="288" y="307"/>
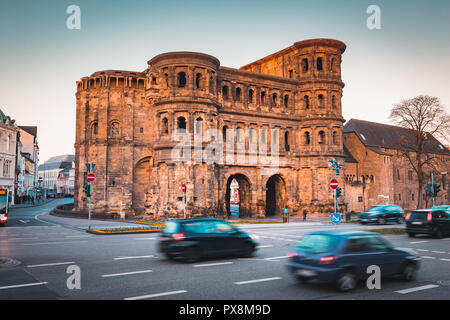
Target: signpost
<point x="334" y="184"/>
<point x="285" y="211"/>
<point x="183" y="188"/>
<point x="88" y="188"/>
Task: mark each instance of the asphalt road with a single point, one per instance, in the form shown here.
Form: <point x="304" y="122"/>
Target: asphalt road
<point x="130" y="267"/>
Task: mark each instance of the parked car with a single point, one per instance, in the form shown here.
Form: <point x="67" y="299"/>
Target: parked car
<point x="194" y="239"/>
<point x="381" y="214"/>
<point x="434" y="221"/>
<point x="342" y="257"/>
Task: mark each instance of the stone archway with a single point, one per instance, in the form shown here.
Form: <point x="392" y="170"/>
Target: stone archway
<point x="275" y="195"/>
<point x="245" y="195"/>
<point x="141" y="184"/>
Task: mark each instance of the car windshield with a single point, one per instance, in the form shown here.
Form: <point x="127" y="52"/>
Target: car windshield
<point x="376" y="209"/>
<point x="317" y="243"/>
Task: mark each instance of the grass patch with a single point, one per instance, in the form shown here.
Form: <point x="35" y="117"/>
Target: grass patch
<point x="387" y="230"/>
<point x="128" y="229"/>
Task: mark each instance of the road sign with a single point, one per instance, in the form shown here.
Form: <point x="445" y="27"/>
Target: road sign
<point x="91" y="177"/>
<point x="90" y="166"/>
<point x="285" y="210"/>
<point x="335" y="218"/>
<point x="334" y="184"/>
<point x="183" y="187"/>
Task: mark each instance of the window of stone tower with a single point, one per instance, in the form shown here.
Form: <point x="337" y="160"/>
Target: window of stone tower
<point x="286" y="140"/>
<point x="333" y="102"/>
<point x="198" y="125"/>
<point x="166" y="79"/>
<point x="286" y="100"/>
<point x="165" y="126"/>
<point x="238" y="94"/>
<point x="250" y="96"/>
<point x="319" y="64"/>
<point x="263" y="97"/>
<point x="321" y="137"/>
<point x="306" y="98"/>
<point x="274" y="99"/>
<point x="224" y="133"/>
<point x="181" y="79"/>
<point x="307" y="138"/>
<point x="153" y="80"/>
<point x="320" y="97"/>
<point x="263" y="136"/>
<point x="225" y="92"/>
<point x="251" y="135"/>
<point x="305" y="65"/>
<point x="198" y="78"/>
<point x="291" y="73"/>
<point x="181" y="123"/>
<point x="335" y="138"/>
<point x="115" y="129"/>
<point x="94" y="129"/>
<point x="238" y="134"/>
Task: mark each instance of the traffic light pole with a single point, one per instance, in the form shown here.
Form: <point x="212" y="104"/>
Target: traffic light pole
<point x="432" y="189"/>
<point x="90" y="200"/>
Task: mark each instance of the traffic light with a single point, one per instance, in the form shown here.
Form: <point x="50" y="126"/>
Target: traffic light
<point x="338" y="192"/>
<point x="436" y="189"/>
<point x="87" y="190"/>
<point x="428" y="190"/>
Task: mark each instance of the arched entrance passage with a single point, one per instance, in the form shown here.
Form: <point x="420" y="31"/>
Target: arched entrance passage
<point x="275" y="195"/>
<point x="243" y="194"/>
<point x="141" y="184"/>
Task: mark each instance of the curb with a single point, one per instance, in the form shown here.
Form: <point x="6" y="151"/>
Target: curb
<point x="31" y="206"/>
<point x="103" y="233"/>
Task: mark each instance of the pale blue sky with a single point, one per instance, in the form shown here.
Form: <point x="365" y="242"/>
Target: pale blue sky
<point x="40" y="59"/>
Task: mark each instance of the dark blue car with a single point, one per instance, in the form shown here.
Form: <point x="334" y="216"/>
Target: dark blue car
<point x="342" y="258"/>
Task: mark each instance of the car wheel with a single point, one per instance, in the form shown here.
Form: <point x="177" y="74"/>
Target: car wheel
<point x="411" y="234"/>
<point x="301" y="280"/>
<point x="346" y="281"/>
<point x="409" y="272"/>
<point x="2" y="224"/>
<point x="247" y="250"/>
<point x="191" y="254"/>
<point x="381" y="221"/>
<point x="438" y="233"/>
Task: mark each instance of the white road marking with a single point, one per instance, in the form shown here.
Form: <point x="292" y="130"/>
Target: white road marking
<point x="427" y="257"/>
<point x="443" y="259"/>
<point x="211" y="264"/>
<point x="125" y="273"/>
<point x="430" y="286"/>
<point x="24" y="221"/>
<point x="145" y="238"/>
<point x="421" y="250"/>
<point x="23" y="285"/>
<point x="156" y="295"/>
<point x="257" y="259"/>
<point x="257" y="280"/>
<point x="6" y="240"/>
<point x="49" y="264"/>
<point x="265" y="246"/>
<point x="438" y="251"/>
<point x="280" y="257"/>
<point x="56" y="242"/>
<point x="414" y="242"/>
<point x="136" y="257"/>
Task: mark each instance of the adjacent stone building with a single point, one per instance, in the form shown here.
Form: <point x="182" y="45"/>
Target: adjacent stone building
<point x="376" y="172"/>
<point x="271" y="125"/>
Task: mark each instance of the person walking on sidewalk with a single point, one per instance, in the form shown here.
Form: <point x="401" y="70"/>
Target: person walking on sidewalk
<point x="305" y="212"/>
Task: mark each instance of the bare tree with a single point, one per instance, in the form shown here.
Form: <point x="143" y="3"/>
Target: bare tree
<point x="426" y="119"/>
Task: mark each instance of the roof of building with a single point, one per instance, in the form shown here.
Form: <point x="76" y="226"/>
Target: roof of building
<point x="30" y="129"/>
<point x="62" y="158"/>
<point x="378" y="135"/>
<point x="54" y="165"/>
<point x="348" y="155"/>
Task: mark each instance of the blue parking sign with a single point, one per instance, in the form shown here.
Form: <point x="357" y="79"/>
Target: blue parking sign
<point x="285" y="210"/>
<point x="335" y="218"/>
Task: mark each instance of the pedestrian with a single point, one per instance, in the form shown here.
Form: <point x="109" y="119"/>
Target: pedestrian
<point x="305" y="212"/>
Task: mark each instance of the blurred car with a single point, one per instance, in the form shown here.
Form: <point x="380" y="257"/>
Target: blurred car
<point x="381" y="214"/>
<point x="342" y="258"/>
<point x="194" y="239"/>
<point x="434" y="221"/>
<point x="51" y="195"/>
<point x="446" y="207"/>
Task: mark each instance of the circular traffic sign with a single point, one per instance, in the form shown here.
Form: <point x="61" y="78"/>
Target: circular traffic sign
<point x="335" y="218"/>
<point x="91" y="177"/>
<point x="183" y="187"/>
<point x="334" y="184"/>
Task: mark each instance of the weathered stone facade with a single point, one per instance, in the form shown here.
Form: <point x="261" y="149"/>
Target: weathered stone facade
<point x="291" y="101"/>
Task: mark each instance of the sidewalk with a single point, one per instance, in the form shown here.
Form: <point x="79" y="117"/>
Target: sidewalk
<point x="30" y="205"/>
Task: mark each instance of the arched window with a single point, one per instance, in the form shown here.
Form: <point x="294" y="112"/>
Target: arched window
<point x="181" y="123"/>
<point x="250" y="96"/>
<point x="286" y="100"/>
<point x="263" y="97"/>
<point x="181" y="79"/>
<point x="239" y="135"/>
<point x="319" y="64"/>
<point x="291" y="73"/>
<point x="307" y="138"/>
<point x="198" y="125"/>
<point x="320" y="98"/>
<point x="94" y="129"/>
<point x="224" y="133"/>
<point x="263" y="135"/>
<point x="321" y="137"/>
<point x="198" y="78"/>
<point x="335" y="138"/>
<point x="286" y="140"/>
<point x="8" y="143"/>
<point x="333" y="61"/>
<point x="238" y="94"/>
<point x="333" y="102"/>
<point x="251" y="135"/>
<point x="305" y="65"/>
<point x="225" y="92"/>
<point x="166" y="79"/>
<point x="115" y="129"/>
<point x="274" y="99"/>
<point x="165" y="126"/>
